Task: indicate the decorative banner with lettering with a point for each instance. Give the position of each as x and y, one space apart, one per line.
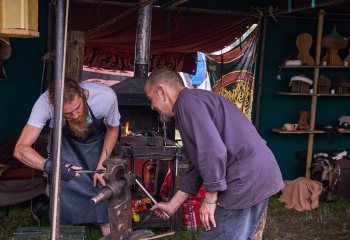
232 73
114 60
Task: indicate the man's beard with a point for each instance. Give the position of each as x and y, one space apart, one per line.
164 118
79 126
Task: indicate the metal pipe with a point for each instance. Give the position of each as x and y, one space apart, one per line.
61 29
149 195
143 39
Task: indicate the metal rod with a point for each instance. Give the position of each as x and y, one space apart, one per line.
57 131
261 75
143 39
149 195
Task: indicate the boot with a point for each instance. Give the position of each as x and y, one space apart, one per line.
303 121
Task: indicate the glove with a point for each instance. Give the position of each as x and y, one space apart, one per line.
67 173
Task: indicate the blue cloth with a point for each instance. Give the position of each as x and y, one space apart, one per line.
225 152
201 71
236 224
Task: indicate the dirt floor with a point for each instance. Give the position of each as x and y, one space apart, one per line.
331 221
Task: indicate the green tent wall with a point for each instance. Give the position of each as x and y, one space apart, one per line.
19 92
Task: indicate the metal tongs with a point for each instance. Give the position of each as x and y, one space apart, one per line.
99 171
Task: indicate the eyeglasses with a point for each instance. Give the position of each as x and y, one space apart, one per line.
77 108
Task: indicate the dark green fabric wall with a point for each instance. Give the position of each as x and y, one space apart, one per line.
277 109
22 86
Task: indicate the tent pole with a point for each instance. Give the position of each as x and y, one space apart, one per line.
61 33
261 75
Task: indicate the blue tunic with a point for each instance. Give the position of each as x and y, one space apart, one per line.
225 152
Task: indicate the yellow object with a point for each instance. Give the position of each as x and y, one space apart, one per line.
135 217
19 18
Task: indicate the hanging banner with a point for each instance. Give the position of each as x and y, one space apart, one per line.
232 73
122 61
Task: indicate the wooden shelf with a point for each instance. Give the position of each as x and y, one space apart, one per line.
282 131
313 94
312 67
18 33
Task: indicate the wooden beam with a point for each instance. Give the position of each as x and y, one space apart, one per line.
172 4
193 10
308 7
123 15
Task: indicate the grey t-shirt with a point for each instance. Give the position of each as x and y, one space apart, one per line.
102 102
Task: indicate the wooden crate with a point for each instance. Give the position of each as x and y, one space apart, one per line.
38 233
300 87
19 18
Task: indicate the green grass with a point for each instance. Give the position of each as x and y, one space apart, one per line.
20 216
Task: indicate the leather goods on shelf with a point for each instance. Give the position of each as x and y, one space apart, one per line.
304 42
290 127
324 84
300 84
333 42
303 123
341 85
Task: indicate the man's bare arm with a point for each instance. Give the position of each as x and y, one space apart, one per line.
24 151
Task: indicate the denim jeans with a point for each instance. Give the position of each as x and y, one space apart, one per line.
236 224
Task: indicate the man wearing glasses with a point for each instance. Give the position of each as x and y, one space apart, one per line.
90 131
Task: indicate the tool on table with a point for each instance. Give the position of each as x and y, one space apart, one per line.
147 193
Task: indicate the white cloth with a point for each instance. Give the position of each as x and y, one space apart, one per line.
102 102
302 79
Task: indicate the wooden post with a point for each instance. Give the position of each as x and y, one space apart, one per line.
261 74
75 55
314 97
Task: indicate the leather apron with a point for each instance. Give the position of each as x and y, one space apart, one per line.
76 206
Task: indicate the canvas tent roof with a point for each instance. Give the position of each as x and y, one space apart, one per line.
191 26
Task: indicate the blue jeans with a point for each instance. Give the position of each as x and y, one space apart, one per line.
236 224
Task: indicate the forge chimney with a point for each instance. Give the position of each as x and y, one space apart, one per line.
142 46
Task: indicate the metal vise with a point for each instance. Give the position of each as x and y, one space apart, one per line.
118 192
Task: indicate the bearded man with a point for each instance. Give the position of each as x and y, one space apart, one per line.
90 131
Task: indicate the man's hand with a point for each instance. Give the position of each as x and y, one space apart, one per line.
206 215
99 177
163 206
67 170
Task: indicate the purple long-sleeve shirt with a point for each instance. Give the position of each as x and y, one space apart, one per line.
225 152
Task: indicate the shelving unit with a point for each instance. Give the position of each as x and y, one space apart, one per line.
314 96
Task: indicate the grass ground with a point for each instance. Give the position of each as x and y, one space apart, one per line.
328 221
